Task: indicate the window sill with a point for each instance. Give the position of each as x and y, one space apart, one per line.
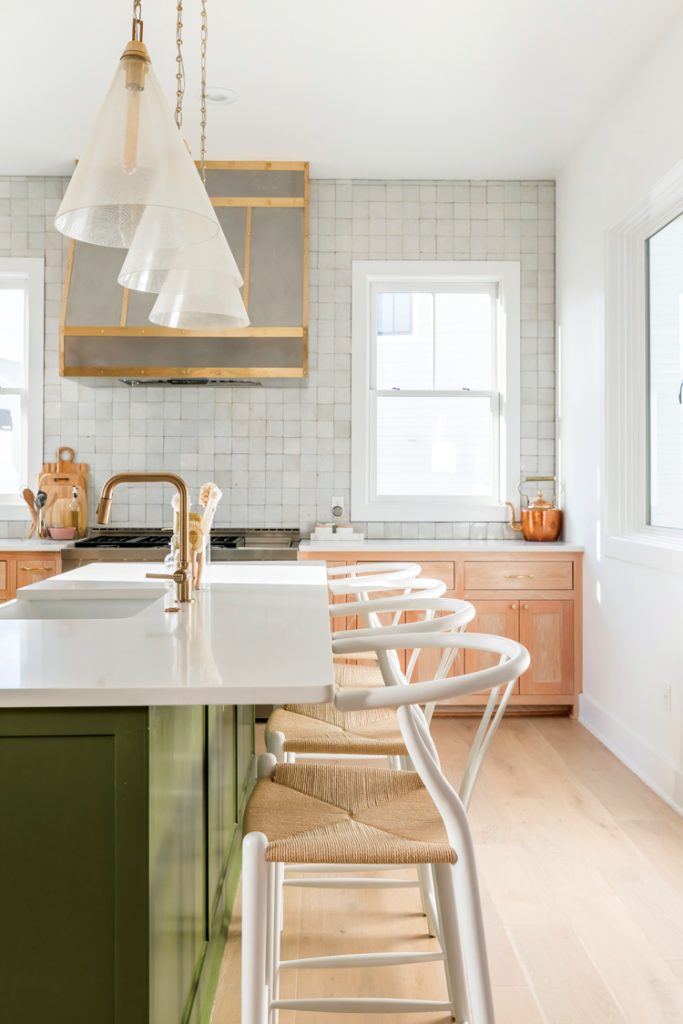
13 510
434 511
651 548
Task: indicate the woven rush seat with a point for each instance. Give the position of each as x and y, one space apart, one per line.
326 814
322 729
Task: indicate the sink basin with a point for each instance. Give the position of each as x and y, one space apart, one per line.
97 604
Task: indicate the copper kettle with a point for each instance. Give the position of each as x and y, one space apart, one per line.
541 520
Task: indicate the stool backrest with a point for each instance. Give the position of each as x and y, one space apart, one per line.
369 577
499 679
439 614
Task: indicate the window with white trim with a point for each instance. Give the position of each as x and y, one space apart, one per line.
21 378
435 389
665 373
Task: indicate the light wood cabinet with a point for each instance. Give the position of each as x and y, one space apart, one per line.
546 628
500 618
20 569
533 596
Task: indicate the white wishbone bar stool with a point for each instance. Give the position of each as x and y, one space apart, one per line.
316 731
317 814
338 574
324 730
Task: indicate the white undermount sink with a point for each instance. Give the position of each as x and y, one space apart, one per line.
120 603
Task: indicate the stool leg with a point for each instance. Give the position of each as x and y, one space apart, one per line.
277 875
255 937
463 936
427 897
450 943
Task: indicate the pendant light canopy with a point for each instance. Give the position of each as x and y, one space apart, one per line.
135 164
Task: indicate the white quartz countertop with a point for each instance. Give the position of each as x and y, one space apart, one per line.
259 634
467 546
43 546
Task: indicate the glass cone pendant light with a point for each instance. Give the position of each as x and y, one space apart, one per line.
135 164
198 285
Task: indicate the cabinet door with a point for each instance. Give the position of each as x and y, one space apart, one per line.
546 628
6 588
500 618
33 570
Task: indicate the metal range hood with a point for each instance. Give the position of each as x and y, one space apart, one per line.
105 333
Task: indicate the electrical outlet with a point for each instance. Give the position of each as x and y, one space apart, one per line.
667 695
338 507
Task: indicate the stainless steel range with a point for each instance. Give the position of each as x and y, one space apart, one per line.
144 545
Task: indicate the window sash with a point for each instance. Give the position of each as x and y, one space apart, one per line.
426 287
495 400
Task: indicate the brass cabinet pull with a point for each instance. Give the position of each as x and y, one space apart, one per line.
513 607
518 576
525 607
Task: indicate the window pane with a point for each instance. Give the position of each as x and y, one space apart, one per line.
10 444
405 357
434 446
666 376
12 334
463 341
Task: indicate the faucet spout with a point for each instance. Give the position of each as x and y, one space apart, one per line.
183 575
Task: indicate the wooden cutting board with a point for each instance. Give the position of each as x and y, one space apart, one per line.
58 480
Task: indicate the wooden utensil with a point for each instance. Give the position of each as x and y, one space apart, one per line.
30 499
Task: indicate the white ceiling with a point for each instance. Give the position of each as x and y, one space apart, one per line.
361 88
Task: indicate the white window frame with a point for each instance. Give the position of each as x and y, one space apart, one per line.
30 271
626 533
405 274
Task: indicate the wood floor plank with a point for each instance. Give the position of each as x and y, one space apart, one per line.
581 869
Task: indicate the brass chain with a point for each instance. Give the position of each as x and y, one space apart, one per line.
204 37
138 24
180 66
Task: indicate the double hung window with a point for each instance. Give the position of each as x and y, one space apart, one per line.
435 390
21 377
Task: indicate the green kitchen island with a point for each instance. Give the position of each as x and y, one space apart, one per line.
120 842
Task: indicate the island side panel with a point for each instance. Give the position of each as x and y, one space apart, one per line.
73 866
177 859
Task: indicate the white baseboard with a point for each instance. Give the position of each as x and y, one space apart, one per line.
657 772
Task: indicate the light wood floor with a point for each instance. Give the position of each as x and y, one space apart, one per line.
582 871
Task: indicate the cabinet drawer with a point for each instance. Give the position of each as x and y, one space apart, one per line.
519 575
34 570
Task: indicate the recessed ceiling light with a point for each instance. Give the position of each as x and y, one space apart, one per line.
219 95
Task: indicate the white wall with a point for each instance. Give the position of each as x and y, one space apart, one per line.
633 614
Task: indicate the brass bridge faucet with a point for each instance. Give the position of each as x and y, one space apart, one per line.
182 577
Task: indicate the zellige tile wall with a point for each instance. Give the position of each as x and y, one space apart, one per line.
281 452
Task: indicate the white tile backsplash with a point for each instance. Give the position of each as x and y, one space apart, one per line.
280 452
